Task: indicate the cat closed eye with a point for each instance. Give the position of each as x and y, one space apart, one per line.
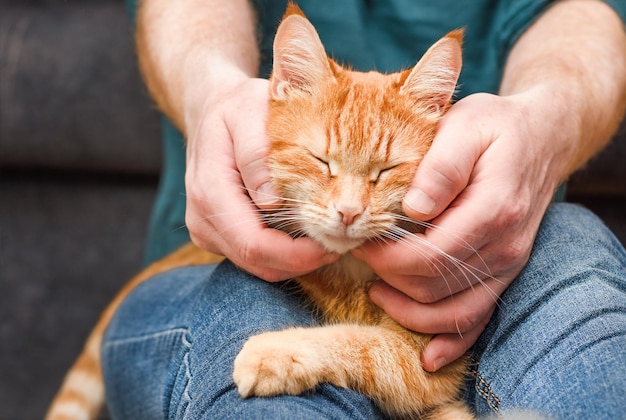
331 166
319 159
376 174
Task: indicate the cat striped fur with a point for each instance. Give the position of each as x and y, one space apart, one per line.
81 395
344 148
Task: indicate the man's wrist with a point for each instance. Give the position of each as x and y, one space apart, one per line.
555 118
207 82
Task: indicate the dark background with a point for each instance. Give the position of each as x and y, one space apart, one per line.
79 166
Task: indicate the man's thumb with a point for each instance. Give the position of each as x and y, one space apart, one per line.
442 175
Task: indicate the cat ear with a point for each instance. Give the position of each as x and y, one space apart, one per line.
433 79
300 61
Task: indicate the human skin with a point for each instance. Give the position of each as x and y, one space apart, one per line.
489 177
493 170
199 59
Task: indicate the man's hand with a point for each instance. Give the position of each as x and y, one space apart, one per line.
198 58
226 171
492 170
485 183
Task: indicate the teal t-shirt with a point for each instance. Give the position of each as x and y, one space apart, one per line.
389 35
383 35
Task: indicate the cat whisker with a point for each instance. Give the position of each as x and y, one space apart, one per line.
462 265
464 268
454 235
398 238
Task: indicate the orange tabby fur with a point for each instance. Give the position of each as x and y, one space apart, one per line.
347 145
82 393
344 148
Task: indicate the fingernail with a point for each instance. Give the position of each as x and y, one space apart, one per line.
439 363
266 196
376 296
418 201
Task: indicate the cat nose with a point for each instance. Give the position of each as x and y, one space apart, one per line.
348 214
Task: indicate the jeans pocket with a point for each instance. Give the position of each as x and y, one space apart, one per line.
147 376
177 396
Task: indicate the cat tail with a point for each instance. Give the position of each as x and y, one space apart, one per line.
81 395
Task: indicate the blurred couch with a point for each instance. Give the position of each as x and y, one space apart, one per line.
79 164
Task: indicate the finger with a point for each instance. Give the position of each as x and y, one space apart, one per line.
467 245
447 281
453 236
287 258
446 168
252 145
428 267
438 279
247 248
221 217
418 254
443 349
237 229
456 314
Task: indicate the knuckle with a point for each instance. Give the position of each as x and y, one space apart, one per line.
249 253
193 226
202 234
514 212
514 253
405 315
424 293
516 240
197 240
203 241
466 321
447 174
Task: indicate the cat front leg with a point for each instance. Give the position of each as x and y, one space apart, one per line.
381 363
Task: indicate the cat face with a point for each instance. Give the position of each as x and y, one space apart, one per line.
344 145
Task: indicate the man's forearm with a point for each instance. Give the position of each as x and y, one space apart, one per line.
577 50
192 50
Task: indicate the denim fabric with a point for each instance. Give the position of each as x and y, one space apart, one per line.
556 344
170 349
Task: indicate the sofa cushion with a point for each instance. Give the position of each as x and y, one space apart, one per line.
71 96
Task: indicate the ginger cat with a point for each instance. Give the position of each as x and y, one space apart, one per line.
344 148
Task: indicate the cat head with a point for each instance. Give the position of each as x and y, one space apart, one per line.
344 145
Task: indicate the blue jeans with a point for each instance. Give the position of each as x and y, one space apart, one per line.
556 344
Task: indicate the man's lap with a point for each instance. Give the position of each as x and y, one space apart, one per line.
555 343
557 340
177 337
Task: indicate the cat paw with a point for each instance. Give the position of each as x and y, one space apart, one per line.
277 363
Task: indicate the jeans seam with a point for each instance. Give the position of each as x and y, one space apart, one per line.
483 387
186 395
134 339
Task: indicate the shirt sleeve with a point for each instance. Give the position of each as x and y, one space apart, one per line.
512 19
620 8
